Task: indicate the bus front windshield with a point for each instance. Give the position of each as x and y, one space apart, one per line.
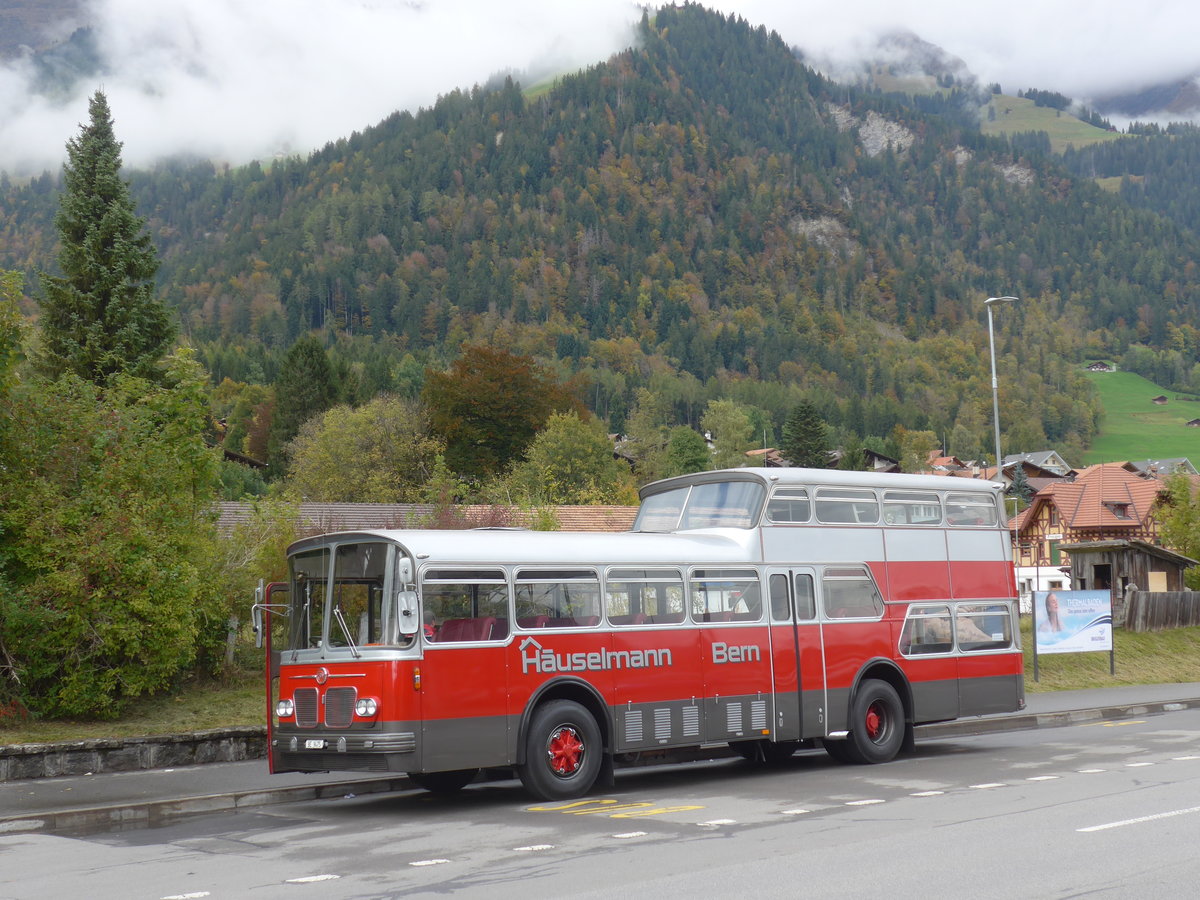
721 504
339 598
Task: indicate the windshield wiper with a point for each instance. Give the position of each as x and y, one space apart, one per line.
341 620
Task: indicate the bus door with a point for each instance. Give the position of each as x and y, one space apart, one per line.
463 678
269 618
735 654
797 659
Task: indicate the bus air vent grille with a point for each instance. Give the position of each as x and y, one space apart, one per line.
662 724
633 726
691 721
758 714
733 717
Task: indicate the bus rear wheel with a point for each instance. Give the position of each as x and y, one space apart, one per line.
876 723
563 751
443 782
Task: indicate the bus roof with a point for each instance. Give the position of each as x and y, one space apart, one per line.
496 546
825 477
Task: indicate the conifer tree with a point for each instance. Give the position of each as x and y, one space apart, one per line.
805 439
304 388
101 317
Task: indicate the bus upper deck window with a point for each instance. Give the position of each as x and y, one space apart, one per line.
967 510
789 505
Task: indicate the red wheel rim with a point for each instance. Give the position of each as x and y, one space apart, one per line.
564 751
876 721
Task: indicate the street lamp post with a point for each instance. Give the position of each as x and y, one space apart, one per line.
995 385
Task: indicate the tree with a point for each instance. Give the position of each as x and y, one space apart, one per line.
1020 487
1179 523
381 452
854 457
11 326
488 407
686 452
101 317
107 539
805 439
304 388
730 428
571 461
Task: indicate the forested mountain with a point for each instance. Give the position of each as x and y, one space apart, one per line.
702 215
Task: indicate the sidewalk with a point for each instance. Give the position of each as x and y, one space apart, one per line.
155 796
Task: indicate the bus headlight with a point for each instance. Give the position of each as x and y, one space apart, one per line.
285 708
366 708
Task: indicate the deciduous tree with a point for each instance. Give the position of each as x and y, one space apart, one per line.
488 406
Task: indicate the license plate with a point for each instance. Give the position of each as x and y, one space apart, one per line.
314 744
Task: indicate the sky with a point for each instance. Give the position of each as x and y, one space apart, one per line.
236 80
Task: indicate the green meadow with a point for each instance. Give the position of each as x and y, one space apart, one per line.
1135 428
1016 115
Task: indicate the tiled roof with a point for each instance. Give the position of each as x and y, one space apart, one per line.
1096 495
323 517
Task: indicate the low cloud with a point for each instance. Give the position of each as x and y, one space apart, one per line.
237 81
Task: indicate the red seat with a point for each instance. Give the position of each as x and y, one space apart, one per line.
466 630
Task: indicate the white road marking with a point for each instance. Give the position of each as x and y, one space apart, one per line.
195 895
1137 765
533 848
626 835
712 823
1140 819
794 812
1043 778
988 786
864 802
429 862
311 879
927 794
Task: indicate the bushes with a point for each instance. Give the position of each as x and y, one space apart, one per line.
106 540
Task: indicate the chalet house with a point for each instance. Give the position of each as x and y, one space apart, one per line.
1100 367
1160 400
1161 468
1104 503
1047 460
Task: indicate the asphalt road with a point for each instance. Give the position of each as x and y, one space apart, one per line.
1104 807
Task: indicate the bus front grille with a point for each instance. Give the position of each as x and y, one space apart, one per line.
339 706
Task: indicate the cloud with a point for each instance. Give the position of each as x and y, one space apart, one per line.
237 80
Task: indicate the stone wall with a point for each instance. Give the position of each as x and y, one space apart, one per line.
93 757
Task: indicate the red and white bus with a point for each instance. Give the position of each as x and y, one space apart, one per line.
765 609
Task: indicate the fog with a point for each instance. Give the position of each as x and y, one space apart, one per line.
236 81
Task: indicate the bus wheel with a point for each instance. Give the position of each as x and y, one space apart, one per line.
563 752
443 782
876 723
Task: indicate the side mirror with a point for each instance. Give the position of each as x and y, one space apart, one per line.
406 602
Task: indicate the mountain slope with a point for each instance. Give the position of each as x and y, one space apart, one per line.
703 215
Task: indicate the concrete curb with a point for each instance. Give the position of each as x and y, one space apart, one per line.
151 813
1025 721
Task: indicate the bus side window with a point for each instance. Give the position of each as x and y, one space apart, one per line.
927 630
780 609
806 601
850 594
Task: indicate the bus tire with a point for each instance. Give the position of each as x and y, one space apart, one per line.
563 751
443 782
876 723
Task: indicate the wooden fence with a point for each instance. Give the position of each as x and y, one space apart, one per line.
1145 611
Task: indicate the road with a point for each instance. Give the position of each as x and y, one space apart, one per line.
1107 809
